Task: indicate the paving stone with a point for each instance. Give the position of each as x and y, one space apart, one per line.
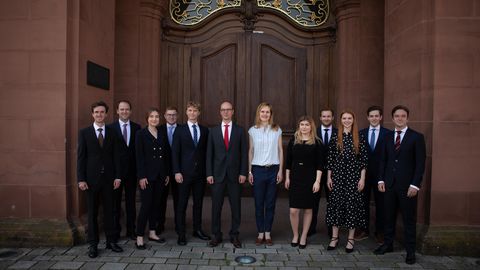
322 257
296 263
41 265
39 251
223 250
63 258
227 267
165 254
266 267
131 260
199 261
91 266
299 257
67 265
208 267
343 264
209 255
191 255
309 251
5 264
80 250
274 263
366 258
187 267
202 249
27 257
245 250
243 268
287 268
113 266
181 248
276 257
218 262
58 251
154 260
42 258
108 259
266 251
345 258
364 264
164 267
143 253
178 261
22 265
136 266
320 264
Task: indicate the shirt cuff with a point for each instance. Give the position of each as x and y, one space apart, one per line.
415 187
381 182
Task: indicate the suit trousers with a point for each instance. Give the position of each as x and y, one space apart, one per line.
396 198
234 190
95 193
265 194
316 203
371 185
172 187
195 185
129 185
150 197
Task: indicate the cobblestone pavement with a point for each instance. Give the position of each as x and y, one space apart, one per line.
196 255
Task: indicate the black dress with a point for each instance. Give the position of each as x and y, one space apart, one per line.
303 161
345 204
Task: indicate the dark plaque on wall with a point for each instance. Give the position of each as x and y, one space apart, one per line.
98 76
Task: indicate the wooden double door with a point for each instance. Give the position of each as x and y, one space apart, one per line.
276 63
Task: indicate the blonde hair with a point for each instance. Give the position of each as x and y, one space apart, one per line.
258 122
354 131
313 131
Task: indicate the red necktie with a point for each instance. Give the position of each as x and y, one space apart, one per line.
397 140
225 137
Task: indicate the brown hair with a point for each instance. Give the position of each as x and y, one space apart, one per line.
98 104
272 124
354 131
193 104
149 111
124 101
313 131
171 108
396 108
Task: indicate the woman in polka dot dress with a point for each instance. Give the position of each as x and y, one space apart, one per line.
346 165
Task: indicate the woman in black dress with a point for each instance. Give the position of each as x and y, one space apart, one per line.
303 173
153 167
346 165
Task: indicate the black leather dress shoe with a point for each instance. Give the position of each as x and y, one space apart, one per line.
92 251
200 234
214 242
182 240
410 259
236 242
383 249
114 247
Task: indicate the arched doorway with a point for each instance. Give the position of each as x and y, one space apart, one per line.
248 55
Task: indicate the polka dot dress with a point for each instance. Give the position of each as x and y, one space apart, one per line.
345 204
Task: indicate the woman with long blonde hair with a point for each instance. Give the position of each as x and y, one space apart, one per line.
305 154
346 164
265 160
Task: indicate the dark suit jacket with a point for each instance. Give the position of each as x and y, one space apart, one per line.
320 134
187 158
405 167
128 158
232 163
91 158
152 155
374 155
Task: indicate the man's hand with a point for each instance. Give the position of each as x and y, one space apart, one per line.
179 178
143 183
412 192
116 183
242 179
82 185
210 180
381 187
167 180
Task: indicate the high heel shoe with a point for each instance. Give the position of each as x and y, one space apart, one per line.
300 246
336 242
351 242
293 244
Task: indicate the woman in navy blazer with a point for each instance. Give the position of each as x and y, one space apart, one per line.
153 168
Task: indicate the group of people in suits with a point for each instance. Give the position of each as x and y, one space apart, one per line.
345 163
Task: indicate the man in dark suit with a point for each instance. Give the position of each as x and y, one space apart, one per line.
227 168
98 173
375 137
168 129
126 130
325 131
401 171
188 159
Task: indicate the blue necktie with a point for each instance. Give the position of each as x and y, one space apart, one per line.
325 137
170 135
195 135
372 139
